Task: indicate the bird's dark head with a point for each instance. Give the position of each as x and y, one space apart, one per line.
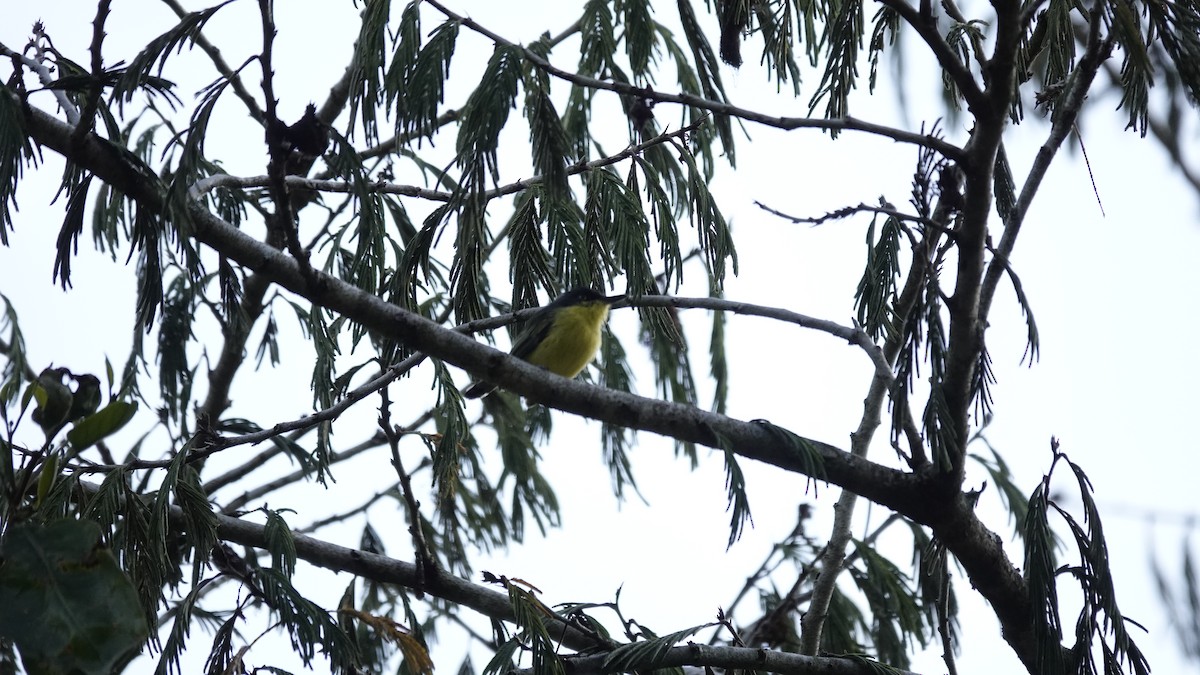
584 296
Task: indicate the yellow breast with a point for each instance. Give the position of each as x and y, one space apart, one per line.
573 340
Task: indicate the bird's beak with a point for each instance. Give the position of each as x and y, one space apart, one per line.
614 299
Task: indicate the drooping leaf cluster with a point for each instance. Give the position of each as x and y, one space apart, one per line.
1101 635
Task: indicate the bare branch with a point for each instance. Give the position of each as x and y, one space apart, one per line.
395 142
233 348
426 563
730 658
345 515
46 78
853 335
832 559
95 87
852 210
214 54
258 491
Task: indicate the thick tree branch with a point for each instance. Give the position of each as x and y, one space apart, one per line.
486 601
965 342
495 605
732 659
967 323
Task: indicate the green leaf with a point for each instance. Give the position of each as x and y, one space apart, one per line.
485 115
641 39
705 80
504 659
530 269
738 501
416 80
812 464
309 626
15 146
615 439
68 236
884 34
16 364
175 333
548 139
366 81
843 35
718 364
646 655
280 542
598 42
137 74
91 429
877 288
67 605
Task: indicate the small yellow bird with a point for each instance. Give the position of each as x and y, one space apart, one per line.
561 337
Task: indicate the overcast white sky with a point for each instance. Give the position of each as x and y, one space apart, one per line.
1114 297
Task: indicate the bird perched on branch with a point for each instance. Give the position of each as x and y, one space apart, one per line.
561 337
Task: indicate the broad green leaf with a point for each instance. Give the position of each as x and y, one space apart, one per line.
67 605
91 429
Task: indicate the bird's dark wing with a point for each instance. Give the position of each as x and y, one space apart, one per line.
536 329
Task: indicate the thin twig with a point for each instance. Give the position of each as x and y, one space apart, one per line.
832 559
1068 109
96 84
943 612
214 54
296 476
395 142
795 597
298 182
46 78
769 564
344 515
848 211
245 468
278 151
847 123
853 335
427 565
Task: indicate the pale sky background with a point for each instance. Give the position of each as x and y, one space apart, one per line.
1113 295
